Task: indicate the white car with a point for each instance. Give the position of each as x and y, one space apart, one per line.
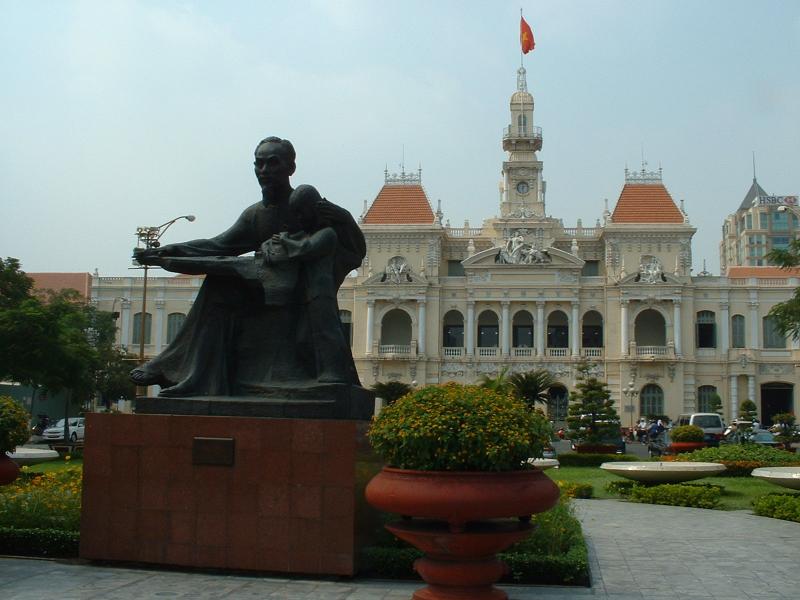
56 432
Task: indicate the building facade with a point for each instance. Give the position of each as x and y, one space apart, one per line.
433 303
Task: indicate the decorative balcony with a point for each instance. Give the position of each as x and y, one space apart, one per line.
592 352
522 352
394 349
452 352
557 352
485 351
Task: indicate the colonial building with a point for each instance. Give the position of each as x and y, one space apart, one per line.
433 303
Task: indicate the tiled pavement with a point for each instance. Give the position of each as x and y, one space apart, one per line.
637 551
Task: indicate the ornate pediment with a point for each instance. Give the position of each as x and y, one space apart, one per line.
528 258
397 272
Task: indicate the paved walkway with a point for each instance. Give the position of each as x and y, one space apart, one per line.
637 551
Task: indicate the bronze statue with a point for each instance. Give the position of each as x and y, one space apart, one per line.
264 325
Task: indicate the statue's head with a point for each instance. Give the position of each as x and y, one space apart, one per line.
303 207
274 161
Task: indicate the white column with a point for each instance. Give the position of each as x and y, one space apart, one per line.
540 328
676 327
751 387
506 185
734 399
125 327
754 323
574 330
159 325
505 328
724 336
370 324
421 333
470 341
623 319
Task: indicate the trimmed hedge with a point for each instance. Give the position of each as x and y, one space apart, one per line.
55 543
624 488
741 459
592 460
571 568
778 506
676 494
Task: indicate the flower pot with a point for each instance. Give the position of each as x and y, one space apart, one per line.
445 516
9 471
680 447
595 449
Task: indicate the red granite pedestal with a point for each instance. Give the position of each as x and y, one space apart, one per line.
289 502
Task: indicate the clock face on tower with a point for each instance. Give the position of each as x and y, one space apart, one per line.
522 187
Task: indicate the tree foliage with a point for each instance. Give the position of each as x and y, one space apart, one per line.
53 340
592 417
532 387
787 314
390 391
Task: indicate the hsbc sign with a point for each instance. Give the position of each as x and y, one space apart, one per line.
777 200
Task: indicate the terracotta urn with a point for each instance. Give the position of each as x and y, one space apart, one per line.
9 471
446 515
680 447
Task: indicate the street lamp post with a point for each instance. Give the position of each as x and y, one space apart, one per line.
148 238
630 393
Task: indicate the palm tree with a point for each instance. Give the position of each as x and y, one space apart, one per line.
500 384
532 387
391 390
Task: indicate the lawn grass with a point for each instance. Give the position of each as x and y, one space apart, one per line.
738 492
52 466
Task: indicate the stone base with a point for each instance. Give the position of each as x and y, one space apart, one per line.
285 495
318 401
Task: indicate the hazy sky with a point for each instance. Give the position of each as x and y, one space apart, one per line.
119 114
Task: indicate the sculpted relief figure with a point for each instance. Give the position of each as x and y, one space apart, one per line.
270 321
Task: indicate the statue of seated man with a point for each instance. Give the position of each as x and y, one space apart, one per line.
252 326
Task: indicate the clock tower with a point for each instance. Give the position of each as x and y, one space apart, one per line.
522 187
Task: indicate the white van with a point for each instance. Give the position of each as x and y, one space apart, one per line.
710 423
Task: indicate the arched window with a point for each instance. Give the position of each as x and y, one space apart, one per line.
174 323
346 319
772 337
652 401
522 330
488 330
706 329
137 328
559 400
522 124
453 330
557 330
650 329
705 395
737 331
396 328
592 334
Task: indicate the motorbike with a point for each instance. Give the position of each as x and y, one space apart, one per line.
42 424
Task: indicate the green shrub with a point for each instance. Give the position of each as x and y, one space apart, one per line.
778 506
687 433
621 488
13 424
55 543
741 459
574 489
677 494
592 460
458 428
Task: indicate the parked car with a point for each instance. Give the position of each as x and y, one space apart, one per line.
710 423
763 437
549 452
56 432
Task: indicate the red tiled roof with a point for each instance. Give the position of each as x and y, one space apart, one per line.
400 205
646 203
82 282
770 272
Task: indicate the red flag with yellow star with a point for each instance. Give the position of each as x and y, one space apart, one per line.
525 36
